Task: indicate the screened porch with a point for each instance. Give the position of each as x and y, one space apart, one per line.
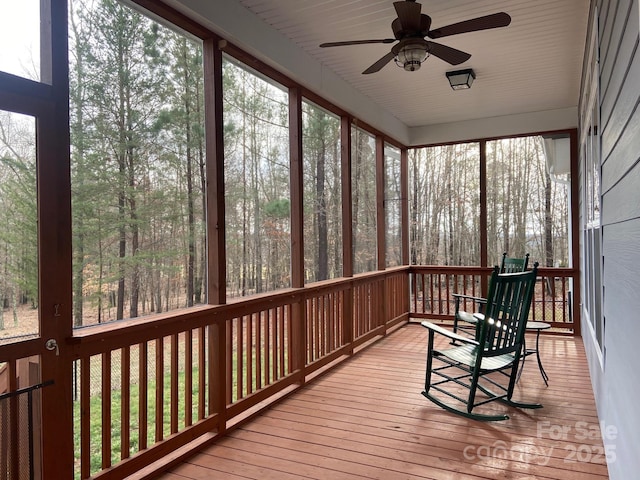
197 242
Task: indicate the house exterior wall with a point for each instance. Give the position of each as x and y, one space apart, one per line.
612 353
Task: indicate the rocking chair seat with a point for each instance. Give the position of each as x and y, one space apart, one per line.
467 354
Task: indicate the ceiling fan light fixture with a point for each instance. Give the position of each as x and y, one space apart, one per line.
461 79
411 55
410 30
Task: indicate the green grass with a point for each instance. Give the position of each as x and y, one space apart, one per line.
95 414
95 422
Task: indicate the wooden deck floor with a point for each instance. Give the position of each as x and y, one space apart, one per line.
367 419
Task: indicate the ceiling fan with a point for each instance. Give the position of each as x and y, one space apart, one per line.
410 29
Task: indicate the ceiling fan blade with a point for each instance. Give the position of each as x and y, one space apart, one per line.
357 42
409 15
448 54
380 63
481 23
425 25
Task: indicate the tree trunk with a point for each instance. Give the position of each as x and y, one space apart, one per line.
321 215
414 213
190 213
77 100
548 223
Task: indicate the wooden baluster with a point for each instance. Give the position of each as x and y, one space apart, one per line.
85 417
173 381
248 365
282 346
240 331
188 378
143 355
202 372
106 410
125 402
159 417
266 348
258 350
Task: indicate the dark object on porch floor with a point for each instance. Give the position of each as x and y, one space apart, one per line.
497 349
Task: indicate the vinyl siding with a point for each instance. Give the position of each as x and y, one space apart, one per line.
616 379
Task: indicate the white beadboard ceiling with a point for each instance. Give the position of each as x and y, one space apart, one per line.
533 65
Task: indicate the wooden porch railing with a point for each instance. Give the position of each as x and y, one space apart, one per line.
146 387
149 386
432 289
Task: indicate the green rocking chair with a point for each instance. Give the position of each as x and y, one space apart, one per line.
496 350
465 321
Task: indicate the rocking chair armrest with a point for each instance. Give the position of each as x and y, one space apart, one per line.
479 316
448 333
462 296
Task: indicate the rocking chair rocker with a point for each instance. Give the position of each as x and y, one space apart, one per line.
497 349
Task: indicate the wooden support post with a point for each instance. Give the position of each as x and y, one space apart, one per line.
483 215
298 310
575 233
213 107
404 215
381 229
404 205
347 227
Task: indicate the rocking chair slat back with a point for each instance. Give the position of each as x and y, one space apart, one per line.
461 317
513 264
506 313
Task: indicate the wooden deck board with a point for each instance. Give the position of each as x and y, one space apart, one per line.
367 419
